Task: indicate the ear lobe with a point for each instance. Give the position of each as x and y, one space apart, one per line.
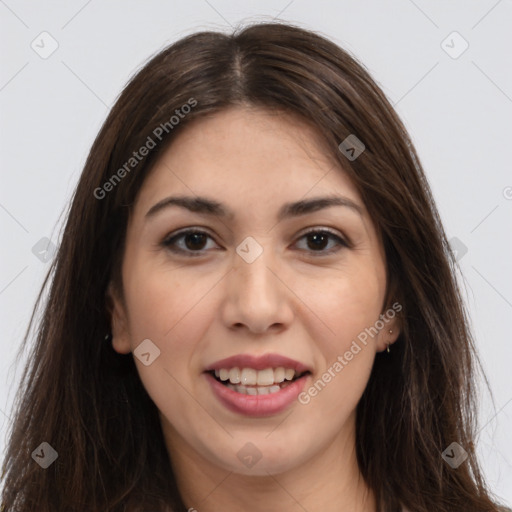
118 320
390 332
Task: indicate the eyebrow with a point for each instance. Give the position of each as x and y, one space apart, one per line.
206 206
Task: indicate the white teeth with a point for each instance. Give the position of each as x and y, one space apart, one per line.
234 375
265 377
224 374
252 377
279 375
248 377
245 390
249 381
288 374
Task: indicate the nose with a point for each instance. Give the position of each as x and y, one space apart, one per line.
257 297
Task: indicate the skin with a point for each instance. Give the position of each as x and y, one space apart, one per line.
295 299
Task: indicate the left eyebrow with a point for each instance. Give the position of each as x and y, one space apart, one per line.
206 206
319 203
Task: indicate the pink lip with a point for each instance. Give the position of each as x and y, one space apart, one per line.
258 363
257 405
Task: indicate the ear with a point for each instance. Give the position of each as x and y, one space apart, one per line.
118 320
391 318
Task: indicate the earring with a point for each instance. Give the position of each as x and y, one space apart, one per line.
108 336
390 332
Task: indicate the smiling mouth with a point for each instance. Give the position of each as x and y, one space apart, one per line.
248 381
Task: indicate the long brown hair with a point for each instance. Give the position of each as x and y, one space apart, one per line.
88 402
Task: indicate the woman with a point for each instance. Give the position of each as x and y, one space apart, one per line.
253 306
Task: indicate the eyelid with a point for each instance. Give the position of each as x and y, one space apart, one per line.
166 242
342 240
321 229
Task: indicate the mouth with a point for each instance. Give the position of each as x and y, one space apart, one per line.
248 381
257 385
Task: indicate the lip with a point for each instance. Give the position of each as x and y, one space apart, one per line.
259 363
257 405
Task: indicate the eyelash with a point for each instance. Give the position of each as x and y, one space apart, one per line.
170 240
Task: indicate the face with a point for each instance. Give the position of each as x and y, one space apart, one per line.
249 332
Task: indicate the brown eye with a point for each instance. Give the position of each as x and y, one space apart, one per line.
187 242
318 240
195 241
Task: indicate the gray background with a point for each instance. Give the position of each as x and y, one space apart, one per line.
457 108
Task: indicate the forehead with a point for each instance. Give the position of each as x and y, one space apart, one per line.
249 158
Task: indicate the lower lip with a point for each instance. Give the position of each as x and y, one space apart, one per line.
257 405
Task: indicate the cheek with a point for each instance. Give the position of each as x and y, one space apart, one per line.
161 299
346 308
331 399
344 305
171 309
173 317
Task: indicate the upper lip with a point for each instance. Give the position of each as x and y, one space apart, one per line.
258 363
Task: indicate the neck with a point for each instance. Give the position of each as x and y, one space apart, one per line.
329 482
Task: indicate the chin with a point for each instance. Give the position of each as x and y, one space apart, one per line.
261 458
